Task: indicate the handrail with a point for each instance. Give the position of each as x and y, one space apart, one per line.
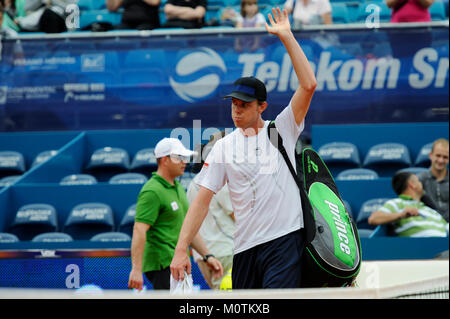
219 31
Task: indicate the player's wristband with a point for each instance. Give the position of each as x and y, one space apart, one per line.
205 259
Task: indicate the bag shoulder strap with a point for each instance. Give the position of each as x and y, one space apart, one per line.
308 215
279 144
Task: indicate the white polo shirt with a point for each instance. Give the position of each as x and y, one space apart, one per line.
264 195
307 13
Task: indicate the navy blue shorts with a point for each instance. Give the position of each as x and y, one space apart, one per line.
275 264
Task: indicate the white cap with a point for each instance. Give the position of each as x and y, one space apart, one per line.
169 146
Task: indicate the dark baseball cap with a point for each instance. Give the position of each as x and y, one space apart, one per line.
248 89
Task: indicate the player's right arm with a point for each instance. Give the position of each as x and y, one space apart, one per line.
194 218
136 279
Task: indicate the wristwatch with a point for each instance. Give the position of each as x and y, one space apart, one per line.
205 259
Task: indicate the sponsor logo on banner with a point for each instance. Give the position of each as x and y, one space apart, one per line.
203 86
84 92
92 62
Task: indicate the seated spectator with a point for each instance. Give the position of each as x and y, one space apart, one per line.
249 17
435 180
407 215
8 11
47 16
188 14
309 12
410 10
228 17
137 14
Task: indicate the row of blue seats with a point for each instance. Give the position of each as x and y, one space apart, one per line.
384 158
39 222
108 163
84 221
58 237
117 159
342 12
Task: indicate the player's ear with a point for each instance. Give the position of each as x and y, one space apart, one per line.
262 106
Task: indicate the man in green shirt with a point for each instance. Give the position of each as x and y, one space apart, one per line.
161 207
408 216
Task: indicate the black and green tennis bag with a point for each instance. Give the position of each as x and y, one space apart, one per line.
332 256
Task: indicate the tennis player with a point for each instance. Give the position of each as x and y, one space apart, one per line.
266 201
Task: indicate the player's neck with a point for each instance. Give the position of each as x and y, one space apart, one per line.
254 129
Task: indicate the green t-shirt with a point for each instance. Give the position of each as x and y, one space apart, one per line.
162 206
429 223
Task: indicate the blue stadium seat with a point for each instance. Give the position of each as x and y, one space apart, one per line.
367 208
382 231
127 223
8 180
387 158
34 219
348 207
365 233
414 170
423 159
111 237
437 11
53 237
353 174
43 156
339 13
7 238
78 179
107 162
339 156
89 17
89 219
128 178
92 4
11 163
144 161
381 7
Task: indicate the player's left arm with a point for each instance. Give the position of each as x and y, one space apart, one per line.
280 25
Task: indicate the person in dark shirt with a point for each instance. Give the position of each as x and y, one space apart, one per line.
435 180
188 14
137 14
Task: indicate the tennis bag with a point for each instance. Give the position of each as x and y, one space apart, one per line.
332 255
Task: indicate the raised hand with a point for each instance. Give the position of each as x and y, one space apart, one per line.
279 23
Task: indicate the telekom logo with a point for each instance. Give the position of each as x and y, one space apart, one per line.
205 84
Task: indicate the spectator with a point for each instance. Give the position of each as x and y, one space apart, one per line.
217 230
249 17
9 9
160 211
435 180
137 14
188 14
47 16
228 17
407 215
410 10
309 12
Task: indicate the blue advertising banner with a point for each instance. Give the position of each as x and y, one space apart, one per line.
160 81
